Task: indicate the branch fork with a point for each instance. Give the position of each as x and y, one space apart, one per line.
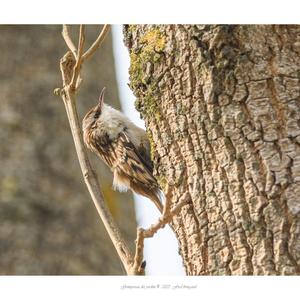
167 216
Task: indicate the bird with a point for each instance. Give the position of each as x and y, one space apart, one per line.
124 148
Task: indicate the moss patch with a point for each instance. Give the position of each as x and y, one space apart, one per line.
143 61
162 181
149 105
153 43
132 28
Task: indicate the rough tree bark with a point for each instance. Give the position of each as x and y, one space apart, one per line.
222 111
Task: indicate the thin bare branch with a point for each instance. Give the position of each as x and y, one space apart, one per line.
76 73
139 249
97 43
93 184
68 40
81 40
70 66
148 233
165 219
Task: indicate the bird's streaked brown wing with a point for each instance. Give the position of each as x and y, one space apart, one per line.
122 155
131 165
101 145
130 161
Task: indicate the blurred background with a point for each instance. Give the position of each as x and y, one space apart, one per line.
48 223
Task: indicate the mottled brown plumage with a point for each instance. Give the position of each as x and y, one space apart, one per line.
124 147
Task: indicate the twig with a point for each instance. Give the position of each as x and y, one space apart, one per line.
81 40
148 233
164 219
97 43
139 249
70 66
76 72
68 40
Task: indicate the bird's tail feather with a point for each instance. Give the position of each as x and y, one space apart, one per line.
156 197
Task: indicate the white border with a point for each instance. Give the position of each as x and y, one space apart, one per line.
150 11
97 287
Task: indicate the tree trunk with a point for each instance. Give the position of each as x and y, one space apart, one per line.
222 111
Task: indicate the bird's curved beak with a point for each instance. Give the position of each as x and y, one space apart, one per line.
101 100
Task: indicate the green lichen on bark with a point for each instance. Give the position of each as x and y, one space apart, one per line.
153 43
142 64
161 180
132 28
149 105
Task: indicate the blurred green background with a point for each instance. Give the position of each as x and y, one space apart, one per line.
48 223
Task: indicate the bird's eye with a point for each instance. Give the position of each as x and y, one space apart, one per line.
96 115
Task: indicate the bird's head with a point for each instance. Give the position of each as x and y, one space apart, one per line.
94 113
